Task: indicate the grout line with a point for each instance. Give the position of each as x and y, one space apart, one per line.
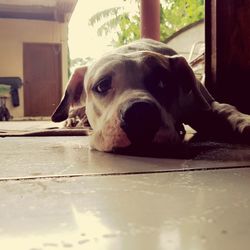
119 174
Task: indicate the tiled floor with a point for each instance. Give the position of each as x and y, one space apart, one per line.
57 194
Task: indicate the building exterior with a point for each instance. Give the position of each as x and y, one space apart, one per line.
183 40
190 43
33 47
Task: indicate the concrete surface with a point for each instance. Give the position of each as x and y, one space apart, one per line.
56 193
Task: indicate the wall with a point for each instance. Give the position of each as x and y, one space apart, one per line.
183 42
13 33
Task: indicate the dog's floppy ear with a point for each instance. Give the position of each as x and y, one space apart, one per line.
185 76
74 93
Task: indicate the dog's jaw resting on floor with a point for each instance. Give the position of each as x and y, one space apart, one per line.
141 94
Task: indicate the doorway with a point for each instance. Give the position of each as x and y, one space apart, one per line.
42 72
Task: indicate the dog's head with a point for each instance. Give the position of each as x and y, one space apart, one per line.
135 99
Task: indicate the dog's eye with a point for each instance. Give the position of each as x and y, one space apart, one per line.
103 86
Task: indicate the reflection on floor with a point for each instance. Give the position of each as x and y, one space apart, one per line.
56 193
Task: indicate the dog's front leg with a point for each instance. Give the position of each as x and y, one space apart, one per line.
239 122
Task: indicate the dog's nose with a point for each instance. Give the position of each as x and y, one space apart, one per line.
140 120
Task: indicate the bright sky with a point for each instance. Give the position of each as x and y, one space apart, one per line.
83 39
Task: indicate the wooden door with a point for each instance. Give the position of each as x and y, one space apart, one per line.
42 78
227 51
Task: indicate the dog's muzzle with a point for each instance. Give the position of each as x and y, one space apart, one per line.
140 120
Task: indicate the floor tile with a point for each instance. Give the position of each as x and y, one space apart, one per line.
203 210
42 156
27 125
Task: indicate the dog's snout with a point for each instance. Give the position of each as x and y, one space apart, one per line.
140 120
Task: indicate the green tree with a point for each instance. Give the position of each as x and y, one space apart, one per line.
125 26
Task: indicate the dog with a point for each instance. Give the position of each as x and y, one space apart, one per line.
140 95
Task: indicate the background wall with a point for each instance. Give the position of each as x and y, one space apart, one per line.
183 40
13 33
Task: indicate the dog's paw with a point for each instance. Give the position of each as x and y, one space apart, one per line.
71 122
246 132
241 125
77 118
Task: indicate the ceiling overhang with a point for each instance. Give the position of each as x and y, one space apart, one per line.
50 10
